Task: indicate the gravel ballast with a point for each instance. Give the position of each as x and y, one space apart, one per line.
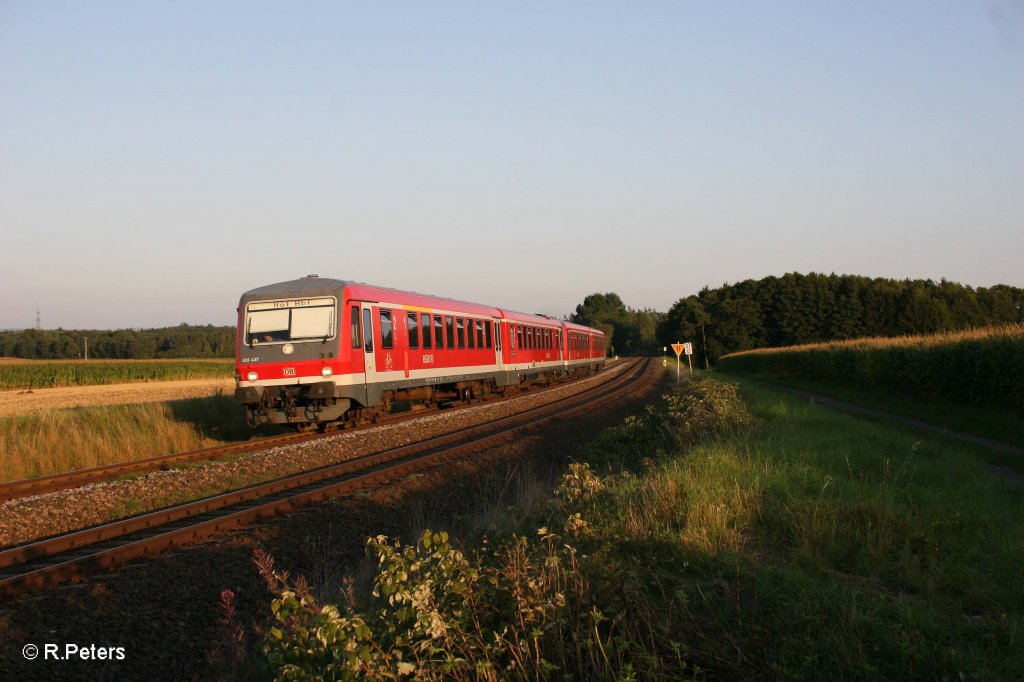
40 516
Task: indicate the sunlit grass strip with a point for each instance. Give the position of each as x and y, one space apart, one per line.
64 440
979 367
821 546
26 375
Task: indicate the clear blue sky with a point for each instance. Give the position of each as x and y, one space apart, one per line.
159 158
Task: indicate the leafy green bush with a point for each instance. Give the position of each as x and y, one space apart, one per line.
519 610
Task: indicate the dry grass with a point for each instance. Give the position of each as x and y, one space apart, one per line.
64 440
918 341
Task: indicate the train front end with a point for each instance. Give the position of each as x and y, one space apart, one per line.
288 360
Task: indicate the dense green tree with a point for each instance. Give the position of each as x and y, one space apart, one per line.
797 308
629 331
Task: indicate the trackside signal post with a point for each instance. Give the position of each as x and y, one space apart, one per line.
681 348
678 348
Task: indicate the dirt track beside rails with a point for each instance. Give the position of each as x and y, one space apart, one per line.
42 399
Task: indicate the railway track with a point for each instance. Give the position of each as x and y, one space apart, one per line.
72 479
74 556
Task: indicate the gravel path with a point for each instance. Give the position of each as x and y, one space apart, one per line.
39 516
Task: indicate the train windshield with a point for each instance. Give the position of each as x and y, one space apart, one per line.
307 319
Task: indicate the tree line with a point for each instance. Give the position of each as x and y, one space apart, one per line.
628 331
795 308
769 312
183 341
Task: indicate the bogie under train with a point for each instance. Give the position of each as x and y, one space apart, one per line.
315 351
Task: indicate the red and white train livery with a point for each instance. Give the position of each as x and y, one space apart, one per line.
318 350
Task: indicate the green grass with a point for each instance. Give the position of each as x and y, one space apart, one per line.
808 544
50 374
990 422
820 545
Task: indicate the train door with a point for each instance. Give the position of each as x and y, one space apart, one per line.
499 359
369 359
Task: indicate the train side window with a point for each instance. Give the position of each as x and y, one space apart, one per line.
558 339
460 329
519 335
547 338
497 336
469 331
480 334
512 337
412 323
487 332
425 323
357 339
367 331
387 327
449 323
438 333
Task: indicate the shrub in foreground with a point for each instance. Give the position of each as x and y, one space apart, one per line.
525 608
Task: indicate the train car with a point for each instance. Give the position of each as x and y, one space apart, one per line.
315 350
584 347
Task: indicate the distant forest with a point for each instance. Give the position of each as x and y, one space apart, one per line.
795 308
183 341
774 311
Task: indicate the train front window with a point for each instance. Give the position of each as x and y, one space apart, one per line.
296 320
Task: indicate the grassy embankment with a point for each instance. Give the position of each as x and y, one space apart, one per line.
32 374
801 543
64 440
967 381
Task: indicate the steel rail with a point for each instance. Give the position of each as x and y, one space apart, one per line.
110 545
39 485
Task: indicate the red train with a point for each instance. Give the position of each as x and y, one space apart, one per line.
315 350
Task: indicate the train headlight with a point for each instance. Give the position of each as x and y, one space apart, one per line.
252 376
326 371
287 349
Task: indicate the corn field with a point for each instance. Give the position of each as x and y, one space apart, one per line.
979 367
43 374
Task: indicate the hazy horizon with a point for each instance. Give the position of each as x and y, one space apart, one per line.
158 160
